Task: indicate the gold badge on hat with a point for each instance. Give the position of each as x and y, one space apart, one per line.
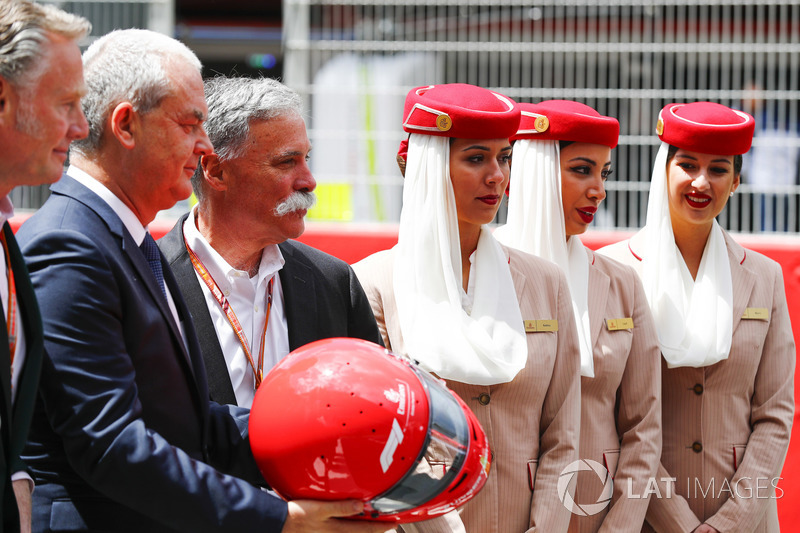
660 127
443 122
541 124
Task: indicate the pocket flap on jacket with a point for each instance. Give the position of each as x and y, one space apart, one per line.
533 464
738 455
610 460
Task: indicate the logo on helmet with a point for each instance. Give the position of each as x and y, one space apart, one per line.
395 438
566 476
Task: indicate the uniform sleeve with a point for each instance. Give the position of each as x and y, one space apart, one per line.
771 413
367 274
638 416
670 513
560 422
90 394
361 321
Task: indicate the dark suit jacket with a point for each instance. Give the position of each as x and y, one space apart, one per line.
322 299
124 437
14 434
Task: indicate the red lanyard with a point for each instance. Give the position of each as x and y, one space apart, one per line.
11 316
258 371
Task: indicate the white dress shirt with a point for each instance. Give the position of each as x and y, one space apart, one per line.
247 297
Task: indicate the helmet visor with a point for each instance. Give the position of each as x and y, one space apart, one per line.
442 457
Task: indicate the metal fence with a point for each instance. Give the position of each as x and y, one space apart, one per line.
354 62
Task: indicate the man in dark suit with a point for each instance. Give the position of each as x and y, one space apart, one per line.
124 437
41 83
254 293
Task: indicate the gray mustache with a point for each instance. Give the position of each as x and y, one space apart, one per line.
295 202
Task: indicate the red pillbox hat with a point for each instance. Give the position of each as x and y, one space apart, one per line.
565 120
706 127
460 110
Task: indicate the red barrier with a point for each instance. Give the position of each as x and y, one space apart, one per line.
353 242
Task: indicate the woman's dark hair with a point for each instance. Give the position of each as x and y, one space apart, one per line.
564 144
737 159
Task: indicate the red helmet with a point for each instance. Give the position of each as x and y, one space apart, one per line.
347 419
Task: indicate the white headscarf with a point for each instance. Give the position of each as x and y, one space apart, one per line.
535 225
694 318
487 346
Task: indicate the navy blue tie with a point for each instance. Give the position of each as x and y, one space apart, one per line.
153 256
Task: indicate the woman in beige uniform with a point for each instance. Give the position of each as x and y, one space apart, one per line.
723 326
562 157
495 323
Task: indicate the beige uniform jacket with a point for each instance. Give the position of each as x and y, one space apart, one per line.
726 426
532 422
621 404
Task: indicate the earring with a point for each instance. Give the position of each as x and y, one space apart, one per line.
731 193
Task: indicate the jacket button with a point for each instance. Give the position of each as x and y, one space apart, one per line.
698 389
484 399
697 447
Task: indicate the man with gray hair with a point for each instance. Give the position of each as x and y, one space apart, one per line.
124 437
41 84
254 293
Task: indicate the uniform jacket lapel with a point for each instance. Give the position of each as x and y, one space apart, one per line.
598 295
742 278
520 280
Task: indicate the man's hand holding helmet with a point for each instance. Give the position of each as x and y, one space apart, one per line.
307 516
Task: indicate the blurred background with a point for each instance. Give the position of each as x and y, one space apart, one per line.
353 62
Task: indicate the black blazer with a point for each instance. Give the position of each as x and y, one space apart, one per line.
124 437
14 435
322 299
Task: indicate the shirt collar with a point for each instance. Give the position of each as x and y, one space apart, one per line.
6 209
271 257
129 219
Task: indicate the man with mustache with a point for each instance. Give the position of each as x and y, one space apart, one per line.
254 293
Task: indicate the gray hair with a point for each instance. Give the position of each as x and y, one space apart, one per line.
127 66
24 29
233 104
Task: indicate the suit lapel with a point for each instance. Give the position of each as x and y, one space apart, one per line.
598 295
6 419
34 341
219 381
69 187
142 268
299 295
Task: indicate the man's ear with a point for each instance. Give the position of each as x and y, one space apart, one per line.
213 172
8 97
124 124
